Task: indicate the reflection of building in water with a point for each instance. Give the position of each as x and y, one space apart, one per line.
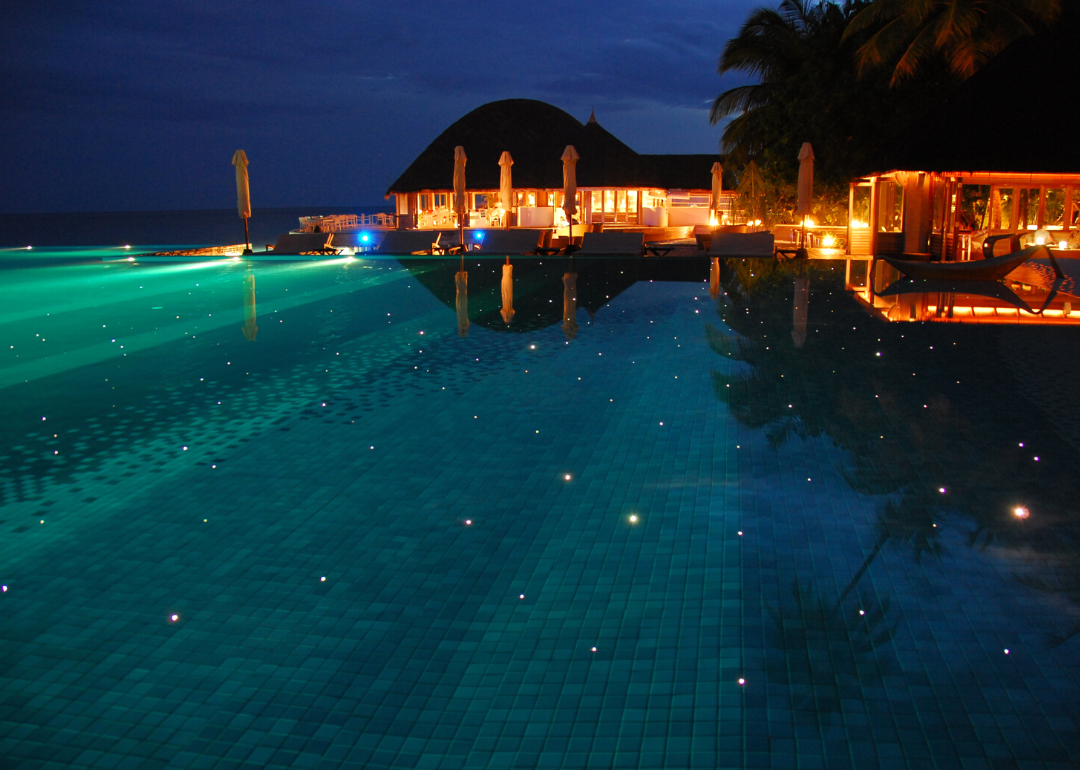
538 286
884 291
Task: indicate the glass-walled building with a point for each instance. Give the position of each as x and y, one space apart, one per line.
985 164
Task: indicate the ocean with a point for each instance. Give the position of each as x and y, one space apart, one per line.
213 227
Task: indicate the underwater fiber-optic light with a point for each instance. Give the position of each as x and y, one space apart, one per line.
479 235
365 237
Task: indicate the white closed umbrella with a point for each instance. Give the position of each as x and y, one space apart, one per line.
717 189
506 185
570 158
243 194
460 206
806 185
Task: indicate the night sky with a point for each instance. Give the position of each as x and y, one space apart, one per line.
123 106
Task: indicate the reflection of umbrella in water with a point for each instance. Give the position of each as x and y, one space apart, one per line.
250 329
714 278
508 292
800 309
461 302
569 299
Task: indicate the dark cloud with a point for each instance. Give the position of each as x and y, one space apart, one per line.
334 97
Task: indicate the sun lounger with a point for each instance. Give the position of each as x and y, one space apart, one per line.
406 242
612 243
742 245
303 243
510 241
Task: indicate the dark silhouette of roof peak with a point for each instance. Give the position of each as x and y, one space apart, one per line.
535 134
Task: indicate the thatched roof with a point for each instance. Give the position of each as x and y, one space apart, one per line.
1012 116
535 134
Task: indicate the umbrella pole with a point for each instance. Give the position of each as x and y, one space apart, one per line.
247 238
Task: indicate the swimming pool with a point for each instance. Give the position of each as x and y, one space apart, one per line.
345 513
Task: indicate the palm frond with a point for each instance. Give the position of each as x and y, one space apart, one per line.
738 100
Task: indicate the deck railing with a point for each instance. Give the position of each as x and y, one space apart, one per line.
337 223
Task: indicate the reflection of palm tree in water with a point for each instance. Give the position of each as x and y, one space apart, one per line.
822 646
909 522
1061 580
823 649
902 436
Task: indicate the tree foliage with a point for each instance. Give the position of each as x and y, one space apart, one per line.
907 35
809 90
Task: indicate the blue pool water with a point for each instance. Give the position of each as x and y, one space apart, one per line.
328 514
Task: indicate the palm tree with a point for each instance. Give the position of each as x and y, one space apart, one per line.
771 45
965 33
807 89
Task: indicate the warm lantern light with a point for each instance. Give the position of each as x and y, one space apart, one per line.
712 220
828 241
1042 237
1063 245
1021 512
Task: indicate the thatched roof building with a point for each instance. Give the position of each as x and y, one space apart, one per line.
535 134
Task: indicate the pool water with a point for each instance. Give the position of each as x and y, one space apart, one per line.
343 513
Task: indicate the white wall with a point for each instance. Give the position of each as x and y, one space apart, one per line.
655 217
679 216
536 216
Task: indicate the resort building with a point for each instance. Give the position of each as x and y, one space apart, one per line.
1001 158
616 186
